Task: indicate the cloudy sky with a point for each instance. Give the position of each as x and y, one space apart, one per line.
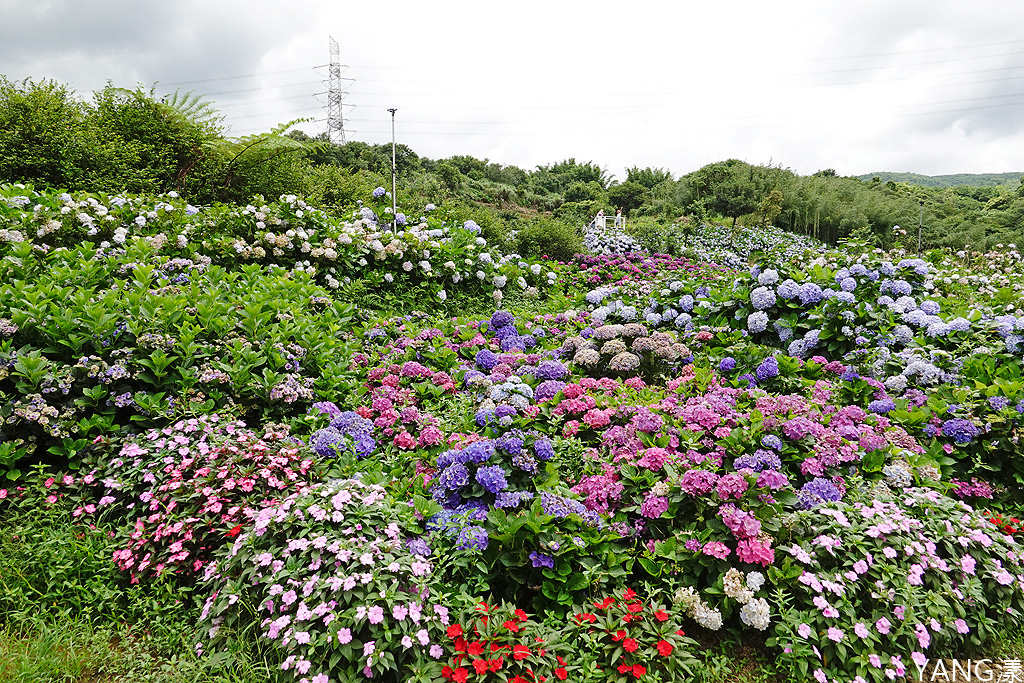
932 87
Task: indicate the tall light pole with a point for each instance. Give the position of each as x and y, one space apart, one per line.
394 172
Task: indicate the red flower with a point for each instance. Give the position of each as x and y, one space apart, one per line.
460 644
629 594
460 675
475 649
608 602
511 626
480 666
627 618
639 670
446 672
519 679
455 630
520 652
635 607
560 660
619 635
661 615
560 673
629 645
234 531
680 632
664 648
520 615
623 668
494 664
483 605
589 618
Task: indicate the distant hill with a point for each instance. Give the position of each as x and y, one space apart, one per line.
1011 180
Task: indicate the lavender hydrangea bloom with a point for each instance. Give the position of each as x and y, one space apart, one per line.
960 430
810 293
817 491
727 364
511 443
492 478
547 389
511 499
486 359
551 369
762 298
501 319
485 417
771 441
327 442
757 322
544 449
768 369
472 538
379 192
998 402
454 477
882 405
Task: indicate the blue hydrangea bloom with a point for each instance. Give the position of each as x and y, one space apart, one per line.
492 478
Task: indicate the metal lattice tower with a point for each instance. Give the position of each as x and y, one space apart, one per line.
335 115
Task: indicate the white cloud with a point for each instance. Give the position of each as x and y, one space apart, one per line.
931 87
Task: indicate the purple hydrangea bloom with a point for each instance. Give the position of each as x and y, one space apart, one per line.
454 477
547 389
417 546
472 537
551 369
559 506
960 430
511 499
500 319
543 448
492 478
379 192
998 402
485 417
325 408
727 364
817 491
327 442
768 369
771 441
810 293
486 359
882 405
511 443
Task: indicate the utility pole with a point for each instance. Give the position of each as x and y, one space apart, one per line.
335 113
394 174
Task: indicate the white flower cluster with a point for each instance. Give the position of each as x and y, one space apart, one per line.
698 610
754 611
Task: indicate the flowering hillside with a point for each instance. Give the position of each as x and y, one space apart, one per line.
512 469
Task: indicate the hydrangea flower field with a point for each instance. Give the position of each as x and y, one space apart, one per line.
527 470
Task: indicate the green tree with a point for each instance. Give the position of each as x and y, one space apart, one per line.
648 177
41 133
627 196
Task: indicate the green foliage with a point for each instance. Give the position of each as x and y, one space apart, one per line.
627 196
550 238
335 189
41 133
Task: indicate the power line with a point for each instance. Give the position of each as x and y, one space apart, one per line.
230 78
